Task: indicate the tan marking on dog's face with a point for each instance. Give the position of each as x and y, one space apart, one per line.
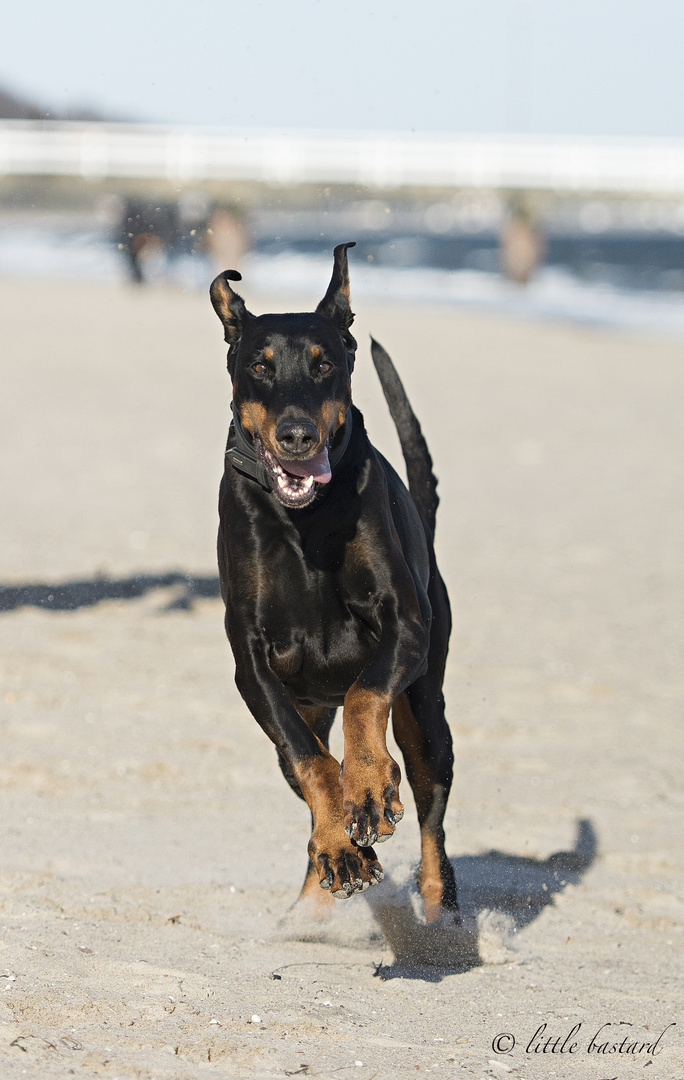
334 414
253 416
255 419
268 353
316 351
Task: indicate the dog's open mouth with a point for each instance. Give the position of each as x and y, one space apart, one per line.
294 482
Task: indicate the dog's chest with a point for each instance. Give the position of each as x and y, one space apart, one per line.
320 625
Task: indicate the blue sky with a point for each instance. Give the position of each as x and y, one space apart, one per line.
593 67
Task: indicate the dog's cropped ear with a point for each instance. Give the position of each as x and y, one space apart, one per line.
229 307
335 304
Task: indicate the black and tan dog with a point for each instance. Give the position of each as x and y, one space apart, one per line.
332 594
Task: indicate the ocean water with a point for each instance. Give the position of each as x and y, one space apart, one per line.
590 293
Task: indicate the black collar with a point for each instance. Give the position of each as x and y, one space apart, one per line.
244 460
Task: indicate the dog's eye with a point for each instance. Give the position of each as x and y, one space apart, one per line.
324 367
260 368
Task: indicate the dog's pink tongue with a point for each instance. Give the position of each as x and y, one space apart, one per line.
318 467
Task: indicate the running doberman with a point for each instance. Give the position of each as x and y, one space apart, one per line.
333 597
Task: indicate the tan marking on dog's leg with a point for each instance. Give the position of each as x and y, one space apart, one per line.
432 853
319 720
370 777
430 802
342 867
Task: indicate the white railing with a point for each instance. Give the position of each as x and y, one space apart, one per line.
560 163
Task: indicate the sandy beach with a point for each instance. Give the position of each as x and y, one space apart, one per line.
149 846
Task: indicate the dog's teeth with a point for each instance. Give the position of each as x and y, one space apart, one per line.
294 487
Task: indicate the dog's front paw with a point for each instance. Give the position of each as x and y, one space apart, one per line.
370 800
344 868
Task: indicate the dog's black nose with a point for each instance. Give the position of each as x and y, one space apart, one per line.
296 436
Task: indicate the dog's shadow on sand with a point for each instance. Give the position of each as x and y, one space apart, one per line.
499 894
183 590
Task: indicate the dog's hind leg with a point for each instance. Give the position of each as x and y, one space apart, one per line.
423 736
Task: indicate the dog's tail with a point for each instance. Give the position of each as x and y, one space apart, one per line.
422 481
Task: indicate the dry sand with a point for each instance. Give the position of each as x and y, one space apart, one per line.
150 848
